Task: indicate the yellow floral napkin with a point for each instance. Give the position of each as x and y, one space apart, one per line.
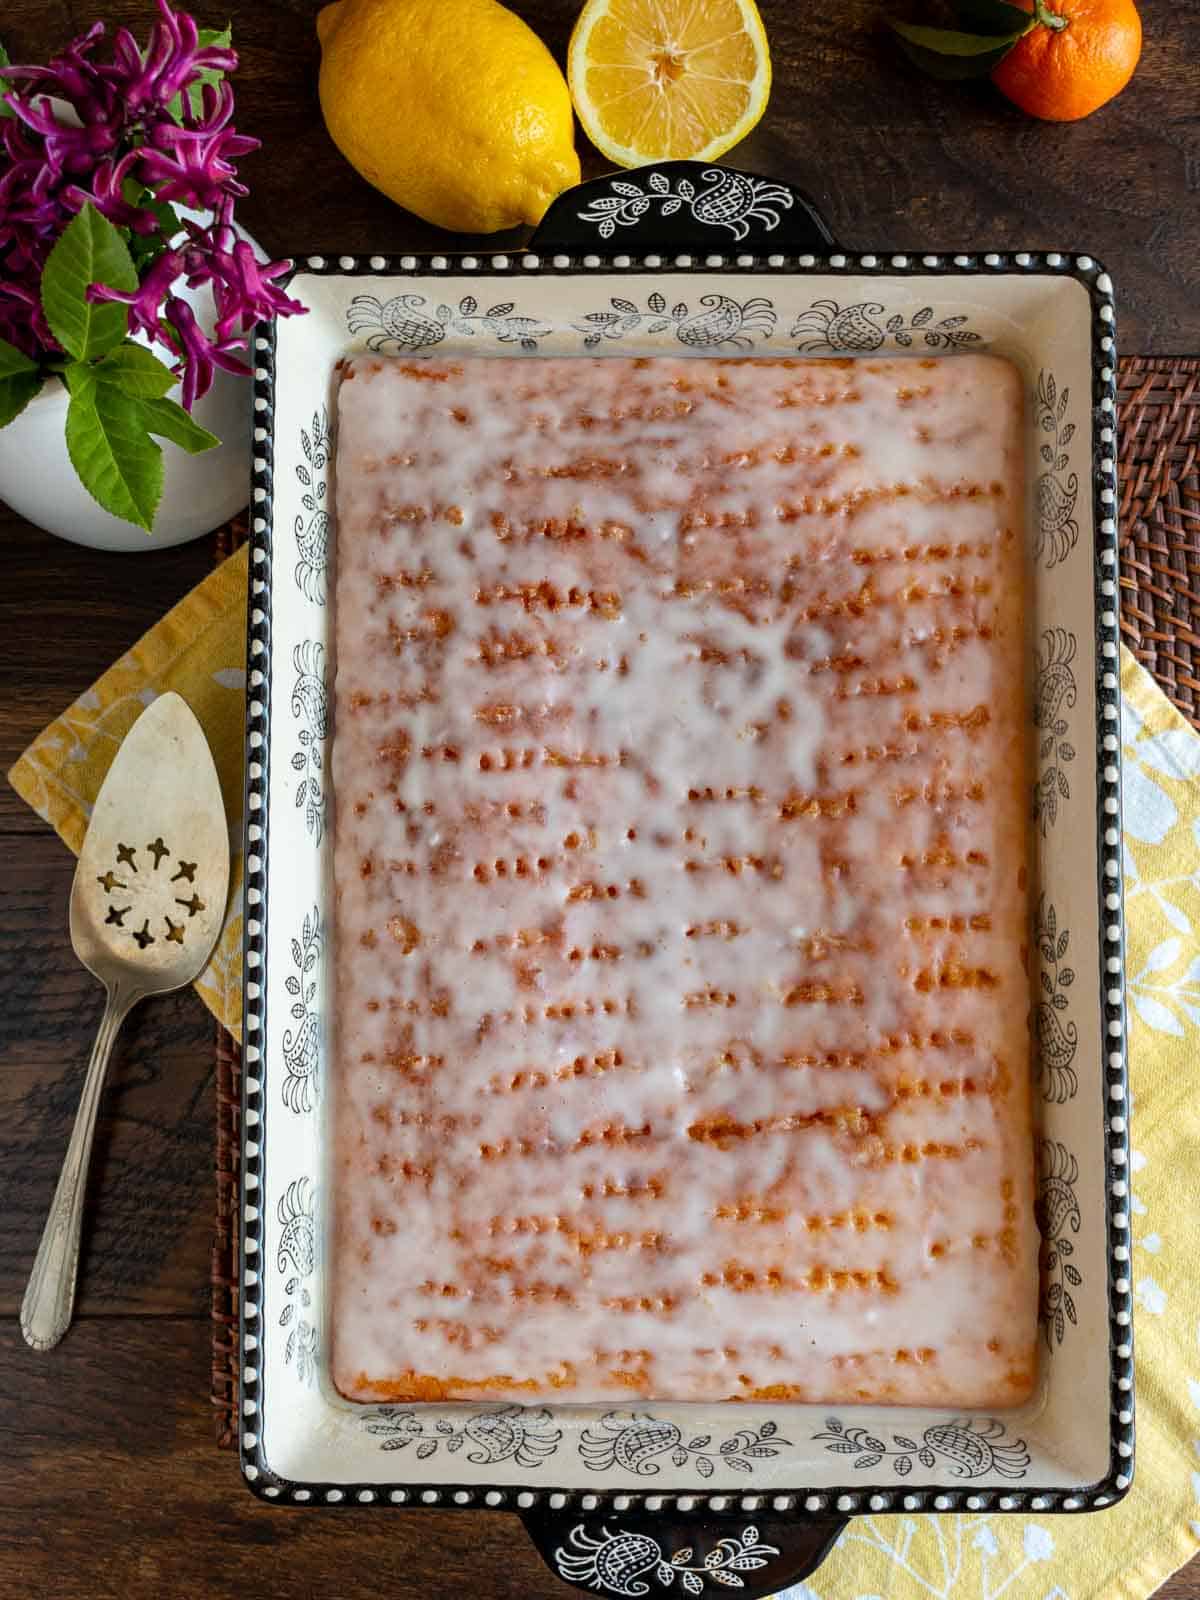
198 649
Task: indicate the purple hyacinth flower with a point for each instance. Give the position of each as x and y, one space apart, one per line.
199 355
104 132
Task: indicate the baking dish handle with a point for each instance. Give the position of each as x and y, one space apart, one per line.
676 206
638 1553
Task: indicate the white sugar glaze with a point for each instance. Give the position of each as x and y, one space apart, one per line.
679 780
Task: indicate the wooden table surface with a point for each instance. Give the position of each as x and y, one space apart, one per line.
109 1480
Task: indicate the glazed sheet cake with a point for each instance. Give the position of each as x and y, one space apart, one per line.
681 1010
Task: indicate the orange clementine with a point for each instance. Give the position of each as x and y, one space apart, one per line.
1066 72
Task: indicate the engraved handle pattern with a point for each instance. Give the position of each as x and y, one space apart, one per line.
638 1553
683 205
50 1295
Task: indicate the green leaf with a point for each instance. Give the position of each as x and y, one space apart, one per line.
14 361
955 68
16 392
113 454
950 42
168 218
20 380
5 85
993 16
145 248
208 36
90 250
135 371
137 194
171 421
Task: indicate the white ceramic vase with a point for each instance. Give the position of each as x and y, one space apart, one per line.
199 492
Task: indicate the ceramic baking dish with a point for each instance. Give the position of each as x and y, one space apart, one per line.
688 258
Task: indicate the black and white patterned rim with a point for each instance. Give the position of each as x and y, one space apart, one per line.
850 1498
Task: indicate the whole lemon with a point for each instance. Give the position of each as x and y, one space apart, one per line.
454 108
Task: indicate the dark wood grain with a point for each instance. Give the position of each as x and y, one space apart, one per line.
112 1491
146 1245
108 1478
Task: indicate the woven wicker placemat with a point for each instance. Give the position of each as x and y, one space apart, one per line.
1159 400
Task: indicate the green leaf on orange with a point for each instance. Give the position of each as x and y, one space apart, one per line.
89 250
115 458
950 42
968 55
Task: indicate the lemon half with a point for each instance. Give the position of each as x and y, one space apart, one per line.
656 80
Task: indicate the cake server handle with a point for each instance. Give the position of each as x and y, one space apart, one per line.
636 1552
683 206
50 1294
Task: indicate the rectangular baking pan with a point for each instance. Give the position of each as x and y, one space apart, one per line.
683 258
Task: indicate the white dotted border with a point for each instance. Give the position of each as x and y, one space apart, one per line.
832 1504
828 1502
257 736
1030 263
1112 952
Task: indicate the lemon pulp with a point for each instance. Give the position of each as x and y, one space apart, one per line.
657 80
